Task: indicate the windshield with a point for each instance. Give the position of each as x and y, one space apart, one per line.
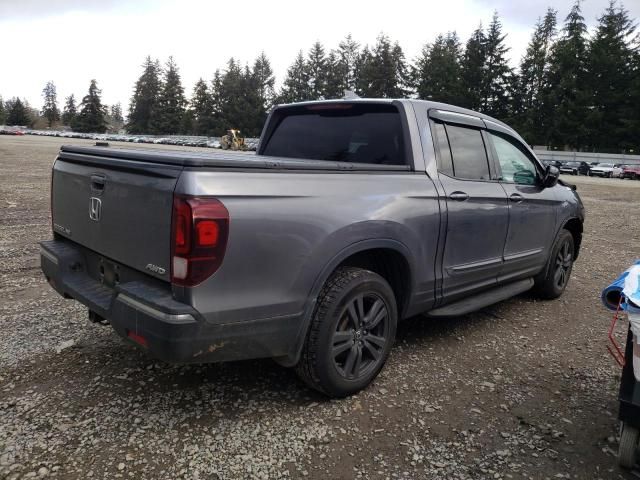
606 165
341 132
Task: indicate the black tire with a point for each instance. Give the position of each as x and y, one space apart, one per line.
553 280
348 342
627 451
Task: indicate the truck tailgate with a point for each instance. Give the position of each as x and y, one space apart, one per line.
119 208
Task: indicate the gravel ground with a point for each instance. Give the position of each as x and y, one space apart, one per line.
523 389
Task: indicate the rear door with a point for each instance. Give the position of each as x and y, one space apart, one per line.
120 209
477 209
532 208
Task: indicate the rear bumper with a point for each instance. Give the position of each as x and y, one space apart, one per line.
147 315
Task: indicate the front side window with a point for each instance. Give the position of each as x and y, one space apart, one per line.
516 166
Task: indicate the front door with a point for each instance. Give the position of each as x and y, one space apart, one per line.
477 212
532 208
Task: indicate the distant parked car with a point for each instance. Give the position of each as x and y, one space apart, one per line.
617 170
575 168
602 170
553 163
11 131
630 171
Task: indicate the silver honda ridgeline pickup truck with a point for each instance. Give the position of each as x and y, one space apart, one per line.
352 215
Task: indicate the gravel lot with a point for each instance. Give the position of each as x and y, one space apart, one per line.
523 389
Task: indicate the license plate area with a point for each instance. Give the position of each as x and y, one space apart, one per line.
109 272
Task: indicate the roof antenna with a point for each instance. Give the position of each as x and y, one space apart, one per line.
350 95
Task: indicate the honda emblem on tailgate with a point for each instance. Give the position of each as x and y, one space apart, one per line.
95 210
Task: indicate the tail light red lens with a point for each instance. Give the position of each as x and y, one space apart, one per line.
200 229
207 232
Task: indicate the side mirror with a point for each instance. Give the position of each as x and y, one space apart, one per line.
524 177
551 175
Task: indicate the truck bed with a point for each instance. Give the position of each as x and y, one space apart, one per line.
221 159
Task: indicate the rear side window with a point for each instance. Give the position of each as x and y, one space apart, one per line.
468 154
445 163
357 133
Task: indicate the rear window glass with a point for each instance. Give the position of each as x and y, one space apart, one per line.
364 133
469 155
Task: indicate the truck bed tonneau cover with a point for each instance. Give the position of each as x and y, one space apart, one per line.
213 159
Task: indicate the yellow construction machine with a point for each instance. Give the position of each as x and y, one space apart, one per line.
232 141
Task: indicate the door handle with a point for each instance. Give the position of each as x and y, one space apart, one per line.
516 197
459 196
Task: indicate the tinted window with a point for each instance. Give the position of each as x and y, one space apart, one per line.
468 152
515 165
445 163
341 132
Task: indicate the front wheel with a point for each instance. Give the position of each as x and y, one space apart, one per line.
351 333
628 446
553 280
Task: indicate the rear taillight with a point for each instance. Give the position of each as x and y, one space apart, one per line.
199 232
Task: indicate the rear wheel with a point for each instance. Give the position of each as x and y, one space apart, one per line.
553 280
628 448
351 333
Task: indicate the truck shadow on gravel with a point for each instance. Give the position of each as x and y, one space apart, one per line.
101 362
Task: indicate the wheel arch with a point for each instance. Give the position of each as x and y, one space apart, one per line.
575 226
389 258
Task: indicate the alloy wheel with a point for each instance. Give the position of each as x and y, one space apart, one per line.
564 260
361 336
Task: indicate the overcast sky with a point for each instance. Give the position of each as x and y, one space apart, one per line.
73 41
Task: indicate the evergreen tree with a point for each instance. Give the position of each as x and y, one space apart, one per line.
216 103
116 113
473 70
70 111
348 54
531 112
383 70
634 97
236 109
335 84
18 113
265 80
296 83
188 122
3 113
202 109
171 102
611 79
254 109
316 71
566 94
50 109
144 102
91 117
498 76
437 73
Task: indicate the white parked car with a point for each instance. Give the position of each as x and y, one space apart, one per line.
605 170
